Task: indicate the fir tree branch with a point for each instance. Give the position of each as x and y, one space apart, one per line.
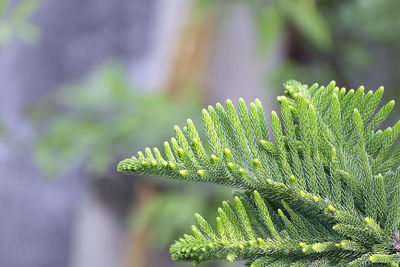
322 189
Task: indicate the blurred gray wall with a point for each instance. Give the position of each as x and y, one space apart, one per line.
37 215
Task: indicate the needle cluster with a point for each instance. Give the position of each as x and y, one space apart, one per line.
320 189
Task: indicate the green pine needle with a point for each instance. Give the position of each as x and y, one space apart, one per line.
321 190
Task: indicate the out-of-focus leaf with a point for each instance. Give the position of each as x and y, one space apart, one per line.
3 6
14 22
308 21
24 10
270 25
377 20
63 144
97 120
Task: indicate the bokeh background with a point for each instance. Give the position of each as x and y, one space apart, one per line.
84 84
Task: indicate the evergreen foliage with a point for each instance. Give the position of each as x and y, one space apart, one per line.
320 190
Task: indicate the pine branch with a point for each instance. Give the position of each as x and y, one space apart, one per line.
321 189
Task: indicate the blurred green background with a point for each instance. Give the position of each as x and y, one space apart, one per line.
84 85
